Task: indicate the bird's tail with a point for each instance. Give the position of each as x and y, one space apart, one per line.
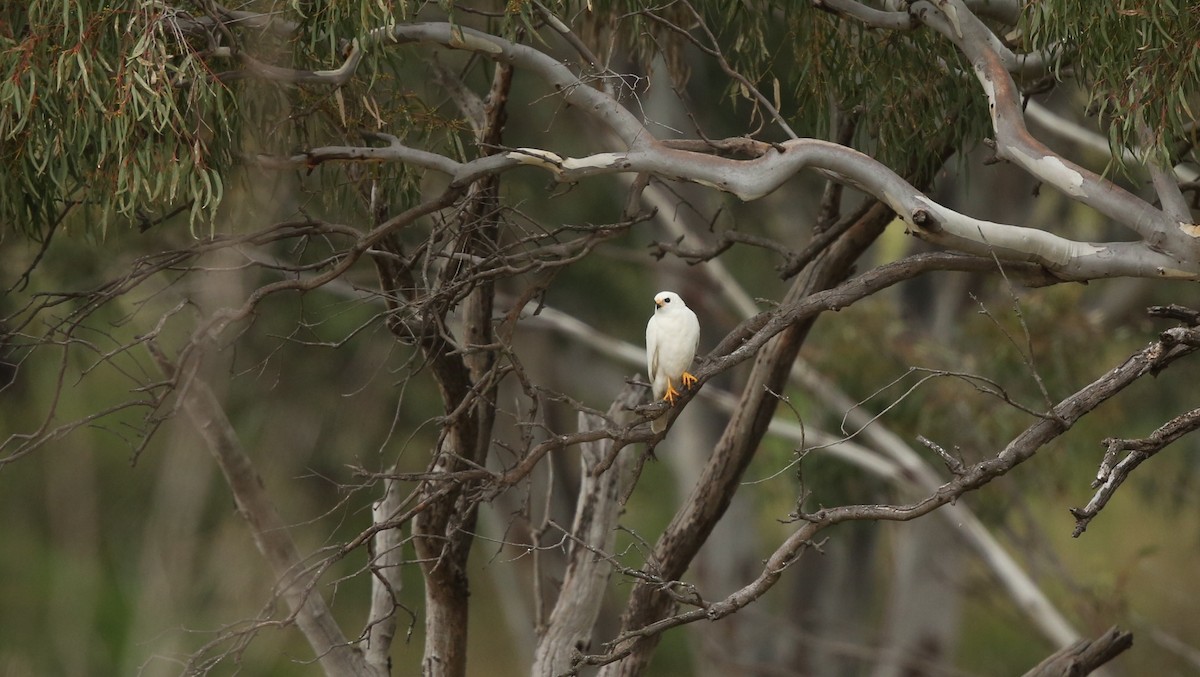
659 424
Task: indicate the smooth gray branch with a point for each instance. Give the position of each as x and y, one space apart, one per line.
597 510
386 581
1167 250
1016 144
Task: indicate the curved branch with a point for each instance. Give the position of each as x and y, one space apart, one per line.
566 83
1016 144
993 64
1068 260
878 18
264 71
752 179
901 19
1074 132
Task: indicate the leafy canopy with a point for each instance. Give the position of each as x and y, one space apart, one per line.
134 109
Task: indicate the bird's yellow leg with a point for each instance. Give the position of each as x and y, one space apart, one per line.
672 394
688 380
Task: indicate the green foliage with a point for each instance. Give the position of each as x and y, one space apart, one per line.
911 110
907 88
1139 59
318 387
133 110
108 106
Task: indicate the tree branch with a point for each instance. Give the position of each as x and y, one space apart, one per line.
597 509
752 179
1169 195
635 637
386 580
264 71
1085 656
1016 144
1110 477
298 589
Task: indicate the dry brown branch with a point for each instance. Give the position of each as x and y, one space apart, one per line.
1112 475
1085 656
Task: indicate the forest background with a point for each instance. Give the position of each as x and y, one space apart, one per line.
321 341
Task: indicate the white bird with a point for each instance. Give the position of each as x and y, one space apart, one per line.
671 339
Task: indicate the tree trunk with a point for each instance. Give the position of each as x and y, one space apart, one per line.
569 630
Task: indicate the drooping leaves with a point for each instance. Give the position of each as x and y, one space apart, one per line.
1139 59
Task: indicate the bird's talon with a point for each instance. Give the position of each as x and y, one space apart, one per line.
688 380
671 395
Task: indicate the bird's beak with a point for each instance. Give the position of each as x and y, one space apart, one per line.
657 304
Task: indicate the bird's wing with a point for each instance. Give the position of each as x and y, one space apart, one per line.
652 332
694 328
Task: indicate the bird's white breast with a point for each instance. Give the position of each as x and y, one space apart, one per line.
671 338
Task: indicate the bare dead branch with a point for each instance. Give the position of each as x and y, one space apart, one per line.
1111 476
1085 656
953 463
727 239
1183 314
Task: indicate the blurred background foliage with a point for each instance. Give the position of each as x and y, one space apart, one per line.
122 560
1140 57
